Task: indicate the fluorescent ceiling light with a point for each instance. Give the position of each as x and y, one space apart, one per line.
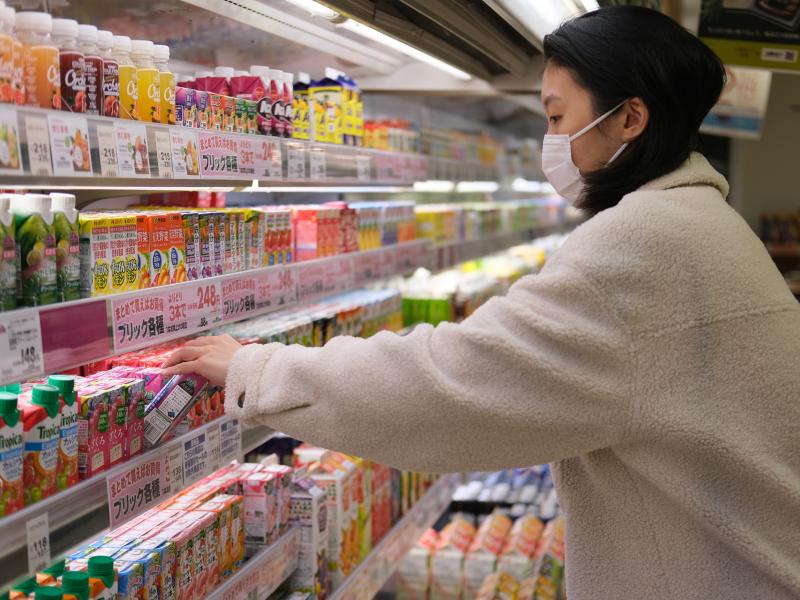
434 185
344 189
590 5
477 186
535 187
543 16
390 42
315 9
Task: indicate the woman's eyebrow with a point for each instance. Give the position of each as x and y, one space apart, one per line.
546 99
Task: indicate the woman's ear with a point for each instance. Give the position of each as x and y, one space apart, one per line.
636 118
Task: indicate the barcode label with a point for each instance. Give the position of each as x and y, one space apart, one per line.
155 424
779 55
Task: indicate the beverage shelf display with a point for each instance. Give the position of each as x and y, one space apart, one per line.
369 577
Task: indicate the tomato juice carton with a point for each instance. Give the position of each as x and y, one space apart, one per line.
130 580
191 239
68 434
41 433
185 107
260 511
93 431
11 455
171 405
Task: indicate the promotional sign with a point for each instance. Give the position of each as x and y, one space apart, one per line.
742 106
753 33
69 144
219 155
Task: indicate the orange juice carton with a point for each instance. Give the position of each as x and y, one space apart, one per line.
191 239
353 489
143 251
412 575
481 558
216 111
150 561
222 514
206 245
159 543
158 231
68 443
177 249
337 485
130 580
260 511
11 455
499 585
95 253
234 506
309 514
517 556
93 431
254 238
41 433
447 561
283 485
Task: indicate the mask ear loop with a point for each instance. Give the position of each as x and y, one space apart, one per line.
596 122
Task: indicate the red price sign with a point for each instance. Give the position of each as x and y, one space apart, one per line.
366 267
340 275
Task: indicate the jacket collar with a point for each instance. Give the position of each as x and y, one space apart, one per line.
695 171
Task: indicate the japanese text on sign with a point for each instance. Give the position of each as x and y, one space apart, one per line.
38 145
136 489
219 155
38 530
230 441
195 458
20 345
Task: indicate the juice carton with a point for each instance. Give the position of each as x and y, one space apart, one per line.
254 238
130 580
208 553
68 444
232 505
301 129
9 257
205 245
447 561
216 111
36 240
185 107
283 485
516 558
221 509
41 430
68 259
11 455
481 558
151 567
93 431
183 539
134 393
131 253
118 233
177 249
95 255
219 219
252 116
74 585
159 234
229 114
326 96
260 511
143 251
102 578
168 561
171 405
309 513
191 239
117 425
337 486
201 101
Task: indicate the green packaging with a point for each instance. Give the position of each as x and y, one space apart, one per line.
68 247
9 259
36 241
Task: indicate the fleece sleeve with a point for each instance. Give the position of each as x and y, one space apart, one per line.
541 374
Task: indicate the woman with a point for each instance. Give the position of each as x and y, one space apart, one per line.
654 359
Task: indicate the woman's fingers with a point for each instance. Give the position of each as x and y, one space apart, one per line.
192 366
205 340
186 353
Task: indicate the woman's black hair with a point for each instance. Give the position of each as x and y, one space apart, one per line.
623 52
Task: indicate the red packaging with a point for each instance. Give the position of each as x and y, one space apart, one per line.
73 81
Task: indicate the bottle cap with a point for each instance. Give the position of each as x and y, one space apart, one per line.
105 39
65 27
8 16
49 593
122 43
62 202
199 74
331 73
65 385
14 388
161 52
47 397
259 71
76 583
226 72
39 22
303 78
8 408
30 203
240 73
87 34
142 47
102 567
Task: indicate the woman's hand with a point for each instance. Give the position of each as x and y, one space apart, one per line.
208 356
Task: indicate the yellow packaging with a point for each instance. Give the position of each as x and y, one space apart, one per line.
148 94
327 101
177 249
167 87
128 92
143 251
124 255
95 242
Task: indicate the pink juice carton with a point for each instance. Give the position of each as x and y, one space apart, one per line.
134 393
118 424
41 434
283 486
276 99
260 511
93 431
185 107
172 403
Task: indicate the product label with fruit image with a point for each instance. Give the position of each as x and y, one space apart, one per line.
9 142
69 145
133 155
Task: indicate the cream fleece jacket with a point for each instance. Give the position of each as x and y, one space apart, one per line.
655 360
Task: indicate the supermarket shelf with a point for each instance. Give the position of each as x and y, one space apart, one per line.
368 578
784 251
216 159
70 334
263 573
87 502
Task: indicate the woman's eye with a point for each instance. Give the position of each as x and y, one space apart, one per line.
554 119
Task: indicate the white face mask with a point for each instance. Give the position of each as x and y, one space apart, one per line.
557 163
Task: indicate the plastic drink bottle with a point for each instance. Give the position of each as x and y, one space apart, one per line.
41 71
109 76
93 68
147 81
166 82
128 82
72 65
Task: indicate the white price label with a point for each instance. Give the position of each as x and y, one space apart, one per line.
164 153
69 144
363 168
38 145
133 156
213 442
21 353
174 476
196 457
296 168
185 158
11 157
38 543
275 164
230 441
318 164
108 150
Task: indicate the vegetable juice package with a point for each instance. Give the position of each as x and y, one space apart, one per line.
117 425
201 102
130 580
283 489
254 238
177 248
93 431
220 260
191 239
11 455
95 255
166 550
142 251
151 570
158 230
205 246
131 252
118 239
42 427
36 240
68 250
9 257
185 107
171 405
134 392
68 434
